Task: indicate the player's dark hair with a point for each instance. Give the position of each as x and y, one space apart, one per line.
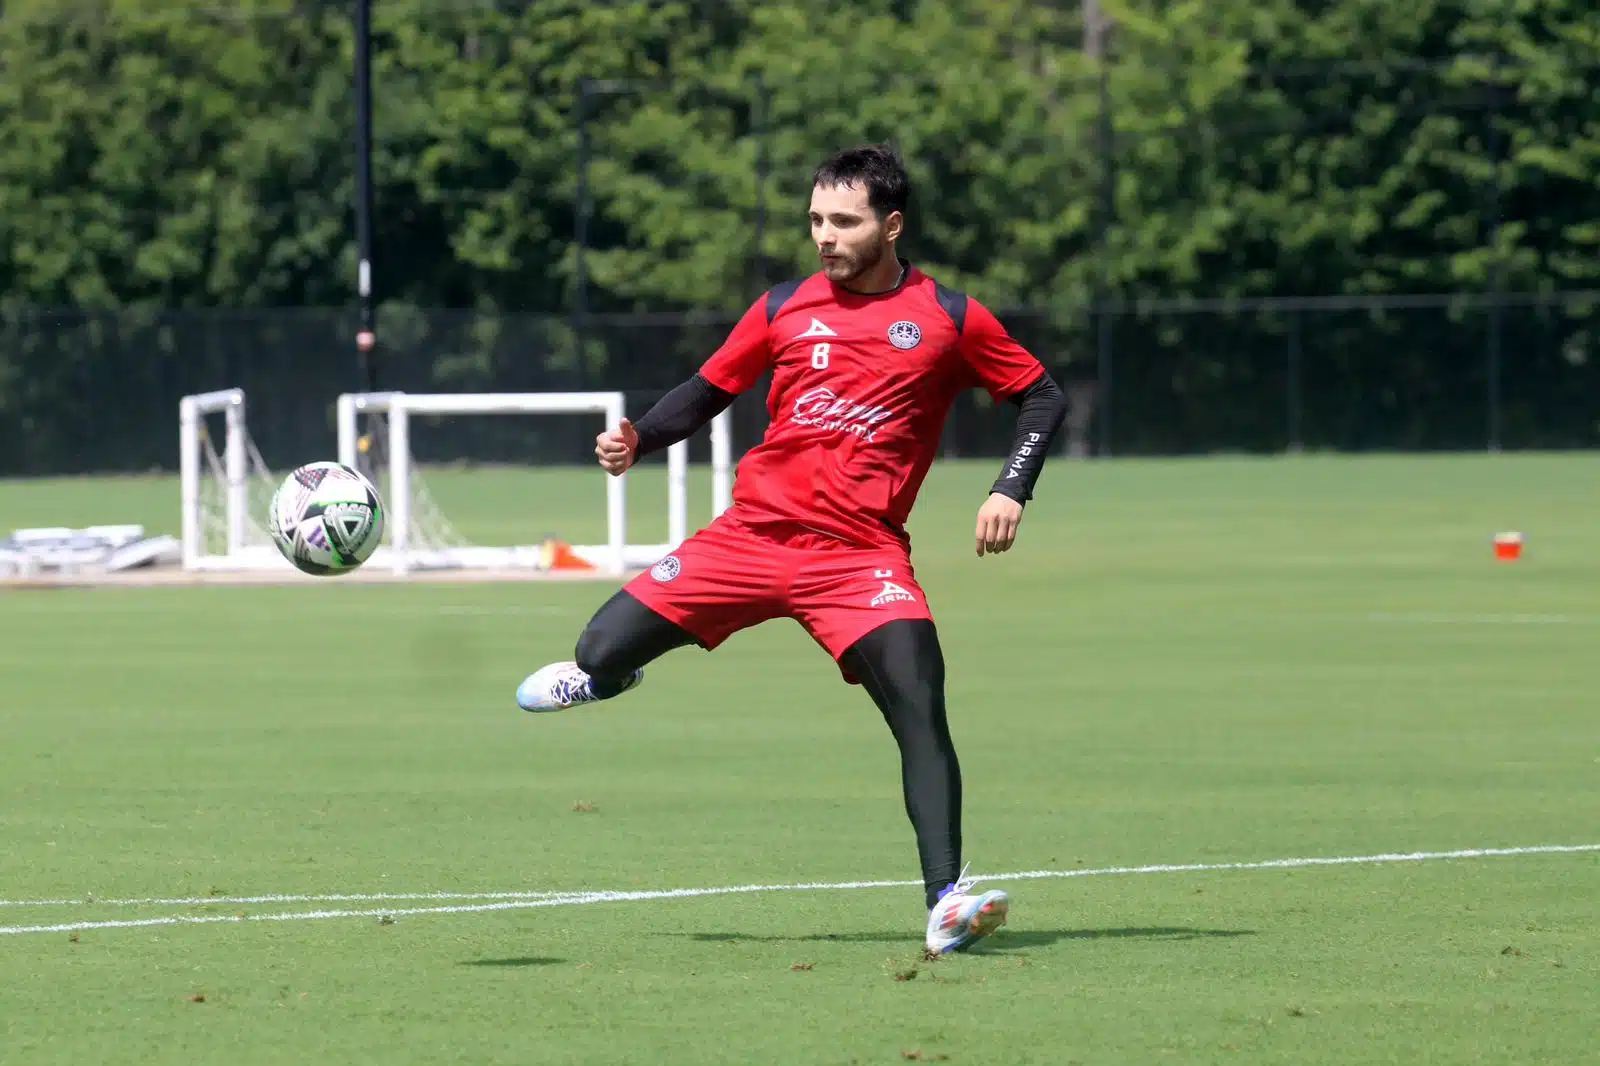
878 167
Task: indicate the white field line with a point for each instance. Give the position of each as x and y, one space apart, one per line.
335 897
515 902
393 897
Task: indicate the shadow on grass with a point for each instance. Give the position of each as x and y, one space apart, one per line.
517 963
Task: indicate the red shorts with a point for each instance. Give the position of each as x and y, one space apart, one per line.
728 577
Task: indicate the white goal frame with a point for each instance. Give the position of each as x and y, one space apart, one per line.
616 555
223 506
239 553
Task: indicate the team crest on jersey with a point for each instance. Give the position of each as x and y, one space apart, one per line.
667 568
905 335
892 593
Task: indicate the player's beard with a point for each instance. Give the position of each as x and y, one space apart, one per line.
849 266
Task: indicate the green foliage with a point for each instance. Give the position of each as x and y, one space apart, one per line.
202 158
1254 148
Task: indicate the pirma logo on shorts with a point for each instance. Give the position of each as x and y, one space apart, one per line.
892 593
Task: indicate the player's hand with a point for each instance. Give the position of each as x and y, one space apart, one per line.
998 520
615 447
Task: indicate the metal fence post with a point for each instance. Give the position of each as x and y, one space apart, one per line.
1292 374
1496 328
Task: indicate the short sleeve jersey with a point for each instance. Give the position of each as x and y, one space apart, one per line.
861 388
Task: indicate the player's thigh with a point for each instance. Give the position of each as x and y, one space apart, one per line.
841 596
715 583
625 635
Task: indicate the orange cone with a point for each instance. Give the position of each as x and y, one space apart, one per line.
1508 546
558 555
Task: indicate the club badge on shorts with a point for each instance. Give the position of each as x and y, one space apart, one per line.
905 335
667 568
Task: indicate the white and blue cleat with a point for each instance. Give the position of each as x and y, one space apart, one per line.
962 917
560 685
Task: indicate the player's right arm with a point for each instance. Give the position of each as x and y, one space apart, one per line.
678 415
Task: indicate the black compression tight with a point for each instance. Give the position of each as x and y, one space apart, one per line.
900 664
623 636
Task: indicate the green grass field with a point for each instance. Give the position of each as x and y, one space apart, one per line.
1182 663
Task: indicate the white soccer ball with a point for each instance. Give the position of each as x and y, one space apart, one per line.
326 518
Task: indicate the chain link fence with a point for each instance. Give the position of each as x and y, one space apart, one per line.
98 392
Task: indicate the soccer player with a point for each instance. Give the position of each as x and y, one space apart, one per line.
866 357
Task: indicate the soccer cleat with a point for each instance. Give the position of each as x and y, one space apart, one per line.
961 917
560 685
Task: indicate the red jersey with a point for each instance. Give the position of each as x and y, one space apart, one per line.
861 387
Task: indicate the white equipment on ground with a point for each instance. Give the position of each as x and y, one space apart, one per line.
226 493
60 551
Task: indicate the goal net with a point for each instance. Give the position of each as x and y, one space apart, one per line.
226 492
227 488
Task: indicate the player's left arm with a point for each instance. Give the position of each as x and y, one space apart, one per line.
1010 372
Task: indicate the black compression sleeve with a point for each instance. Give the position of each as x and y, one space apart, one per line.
678 414
1043 407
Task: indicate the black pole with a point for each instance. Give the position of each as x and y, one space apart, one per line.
366 333
1107 209
1496 328
580 283
1492 355
759 124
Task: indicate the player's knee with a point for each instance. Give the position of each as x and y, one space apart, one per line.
921 700
911 696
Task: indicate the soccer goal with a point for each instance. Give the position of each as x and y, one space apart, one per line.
227 487
375 435
226 493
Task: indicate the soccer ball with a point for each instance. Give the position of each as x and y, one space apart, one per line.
326 518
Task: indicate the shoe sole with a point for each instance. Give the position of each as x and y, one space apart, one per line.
558 706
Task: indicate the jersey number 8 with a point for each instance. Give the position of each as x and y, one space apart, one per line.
819 356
